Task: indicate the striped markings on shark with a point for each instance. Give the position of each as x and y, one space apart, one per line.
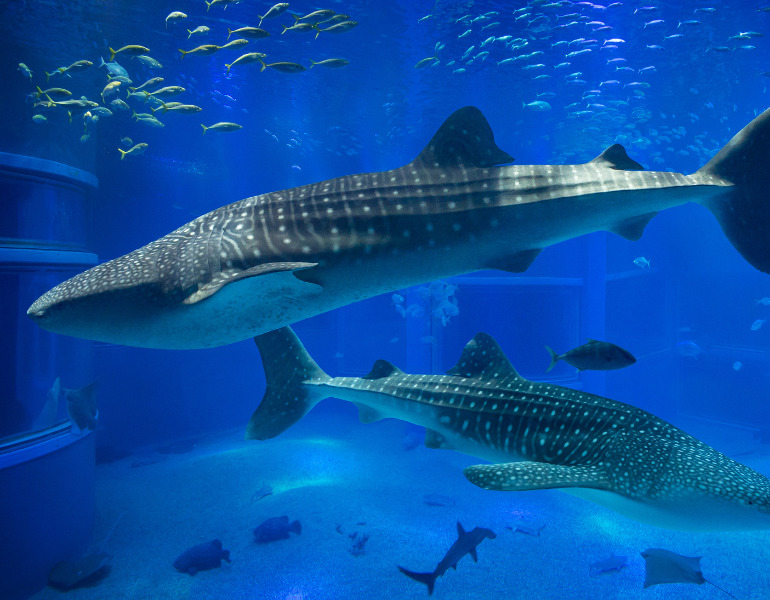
539 435
271 260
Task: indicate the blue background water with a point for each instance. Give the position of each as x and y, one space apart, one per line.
377 113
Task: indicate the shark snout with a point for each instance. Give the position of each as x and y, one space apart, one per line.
37 310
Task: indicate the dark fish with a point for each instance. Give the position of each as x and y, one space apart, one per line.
262 492
607 565
526 527
202 557
277 528
594 356
465 544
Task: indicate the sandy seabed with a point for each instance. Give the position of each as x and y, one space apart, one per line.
339 477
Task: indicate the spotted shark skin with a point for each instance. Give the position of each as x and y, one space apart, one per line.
271 260
539 435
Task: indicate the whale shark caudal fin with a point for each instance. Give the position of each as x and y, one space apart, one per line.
744 213
288 368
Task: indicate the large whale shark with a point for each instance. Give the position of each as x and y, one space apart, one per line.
540 435
271 260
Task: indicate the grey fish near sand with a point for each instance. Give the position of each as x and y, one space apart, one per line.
594 355
613 564
466 543
274 259
202 557
541 435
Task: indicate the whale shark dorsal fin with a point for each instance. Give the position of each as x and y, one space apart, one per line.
464 140
382 368
482 358
228 277
615 157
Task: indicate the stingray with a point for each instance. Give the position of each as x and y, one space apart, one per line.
67 575
81 407
664 566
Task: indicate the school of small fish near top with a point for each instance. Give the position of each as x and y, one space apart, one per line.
147 101
596 64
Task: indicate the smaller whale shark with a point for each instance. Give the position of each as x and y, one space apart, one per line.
465 544
538 435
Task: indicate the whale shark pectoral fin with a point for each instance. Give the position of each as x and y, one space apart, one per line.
522 476
632 229
515 263
615 157
229 277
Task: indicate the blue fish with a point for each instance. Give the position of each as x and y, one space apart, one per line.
114 69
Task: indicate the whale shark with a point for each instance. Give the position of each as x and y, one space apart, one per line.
536 435
270 260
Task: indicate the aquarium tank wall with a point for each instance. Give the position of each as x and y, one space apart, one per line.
506 233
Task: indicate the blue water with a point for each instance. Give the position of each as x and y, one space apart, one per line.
681 92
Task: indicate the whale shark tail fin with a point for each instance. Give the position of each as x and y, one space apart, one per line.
744 213
291 376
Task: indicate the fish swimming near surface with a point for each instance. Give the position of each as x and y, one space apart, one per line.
595 356
202 557
276 528
466 543
274 259
599 449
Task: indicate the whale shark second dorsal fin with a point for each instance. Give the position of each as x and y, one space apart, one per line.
483 358
382 368
464 140
615 157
